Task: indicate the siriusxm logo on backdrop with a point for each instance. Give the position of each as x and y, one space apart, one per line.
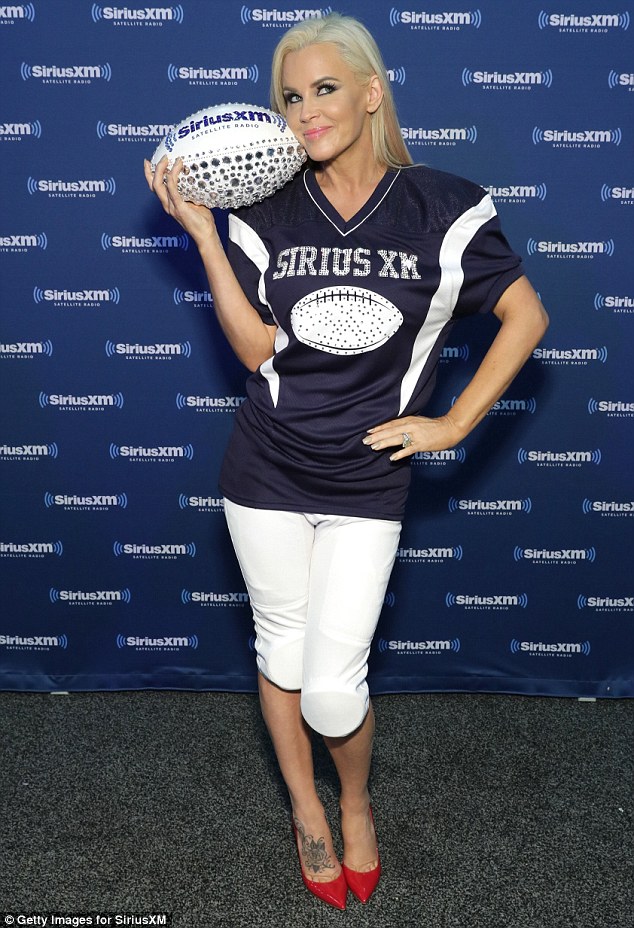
152 244
408 648
489 507
559 458
612 408
510 80
72 189
161 454
397 75
550 649
16 131
582 250
621 80
492 602
151 352
130 16
622 195
21 244
164 552
209 403
163 643
214 77
455 353
440 458
508 407
26 350
571 357
429 555
72 74
201 503
29 452
619 304
517 193
557 556
200 299
214 598
608 507
92 402
438 137
575 22
606 603
580 138
86 299
89 597
94 503
279 18
12 13
151 132
33 642
37 549
445 21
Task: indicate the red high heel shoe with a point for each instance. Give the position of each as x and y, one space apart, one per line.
362 885
332 892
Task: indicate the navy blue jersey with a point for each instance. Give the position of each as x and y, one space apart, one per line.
362 309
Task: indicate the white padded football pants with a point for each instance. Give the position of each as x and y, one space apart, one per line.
317 585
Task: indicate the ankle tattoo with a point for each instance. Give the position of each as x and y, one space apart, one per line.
314 854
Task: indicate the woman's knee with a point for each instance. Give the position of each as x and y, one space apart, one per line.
333 710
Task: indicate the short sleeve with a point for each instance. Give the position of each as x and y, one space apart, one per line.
489 266
249 259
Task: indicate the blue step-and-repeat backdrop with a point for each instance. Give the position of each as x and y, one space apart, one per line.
515 567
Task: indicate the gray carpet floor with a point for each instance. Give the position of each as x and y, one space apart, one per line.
491 811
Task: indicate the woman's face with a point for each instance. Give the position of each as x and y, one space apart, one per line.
326 107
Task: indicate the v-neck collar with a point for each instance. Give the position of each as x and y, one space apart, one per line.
324 205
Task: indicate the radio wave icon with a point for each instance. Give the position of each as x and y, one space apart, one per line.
186 349
457 553
538 135
326 11
110 349
186 597
47 348
527 504
106 72
102 129
596 456
518 553
383 645
616 136
397 75
582 601
172 73
476 19
126 596
106 241
522 600
192 641
96 13
599 301
122 500
58 548
522 456
53 595
450 600
467 77
472 134
253 73
31 185
29 11
586 506
114 451
395 17
585 648
613 79
183 241
245 15
26 71
609 247
118 400
178 296
591 555
111 186
531 404
121 643
53 450
181 401
624 20
252 643
62 641
117 549
547 78
541 192
49 500
593 406
179 15
542 20
461 455
390 599
191 549
531 246
183 501
43 400
189 452
455 644
515 646
606 193
114 295
36 129
452 504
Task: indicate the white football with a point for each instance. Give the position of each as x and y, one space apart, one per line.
345 320
234 154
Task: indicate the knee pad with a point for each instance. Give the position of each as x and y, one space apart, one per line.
335 710
280 660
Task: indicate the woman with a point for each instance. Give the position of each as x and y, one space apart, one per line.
338 293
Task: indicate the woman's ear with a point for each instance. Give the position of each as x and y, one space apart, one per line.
375 94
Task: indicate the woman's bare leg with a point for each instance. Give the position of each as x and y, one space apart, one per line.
291 739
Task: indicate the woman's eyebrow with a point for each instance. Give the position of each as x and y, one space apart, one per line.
316 83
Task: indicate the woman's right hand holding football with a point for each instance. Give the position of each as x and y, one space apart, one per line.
196 220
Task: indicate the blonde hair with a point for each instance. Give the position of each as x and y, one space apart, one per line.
360 52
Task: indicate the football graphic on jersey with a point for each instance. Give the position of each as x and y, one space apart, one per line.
234 154
344 320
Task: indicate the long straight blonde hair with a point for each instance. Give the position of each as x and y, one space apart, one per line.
360 52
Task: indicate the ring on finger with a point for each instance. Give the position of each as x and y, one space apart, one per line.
407 440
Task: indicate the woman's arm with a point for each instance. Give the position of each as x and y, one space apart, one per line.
251 339
523 323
